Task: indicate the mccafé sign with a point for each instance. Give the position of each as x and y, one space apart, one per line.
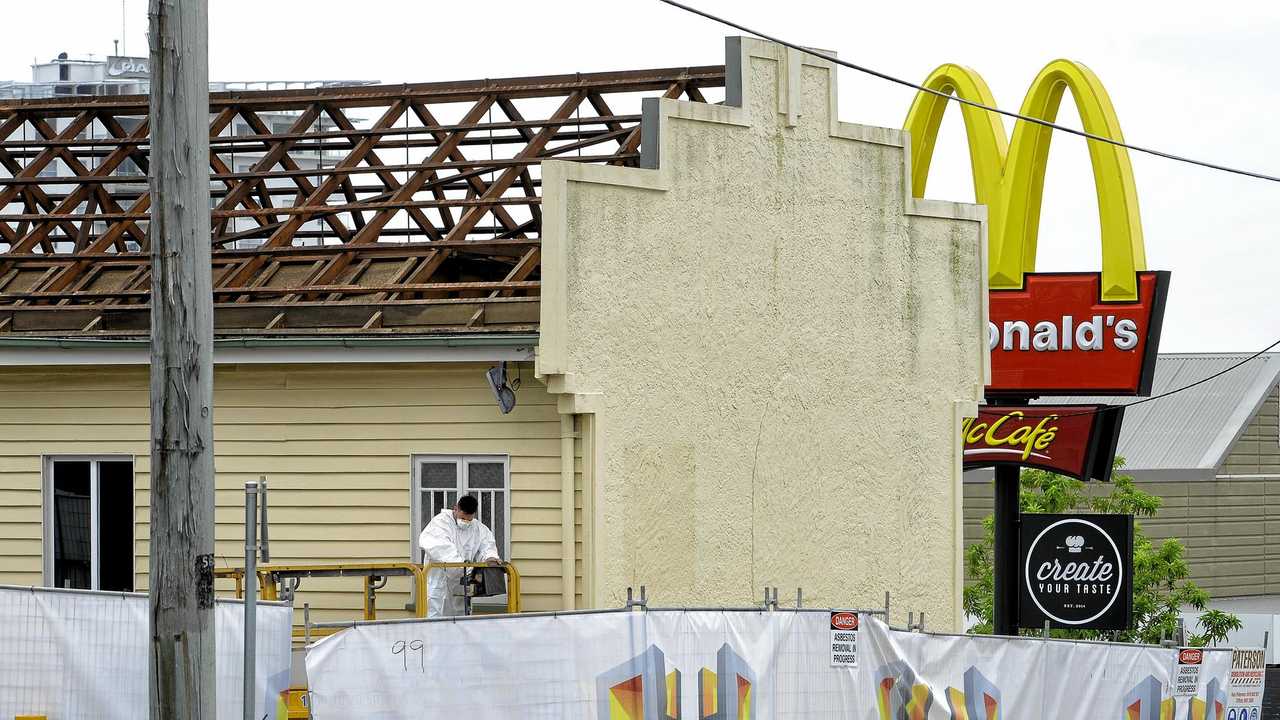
1076 571
1075 440
1052 333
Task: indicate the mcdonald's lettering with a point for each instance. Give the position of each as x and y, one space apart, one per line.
1051 333
1051 337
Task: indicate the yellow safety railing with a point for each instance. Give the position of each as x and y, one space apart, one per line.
513 580
274 580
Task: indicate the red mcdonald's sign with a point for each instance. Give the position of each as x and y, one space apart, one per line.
1055 336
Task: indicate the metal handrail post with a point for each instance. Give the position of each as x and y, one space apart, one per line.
264 543
370 608
420 586
250 599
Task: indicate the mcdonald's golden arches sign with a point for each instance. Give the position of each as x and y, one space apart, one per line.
1052 333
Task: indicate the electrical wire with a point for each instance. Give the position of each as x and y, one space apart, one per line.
1167 393
971 103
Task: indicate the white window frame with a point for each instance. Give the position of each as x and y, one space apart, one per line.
415 493
95 488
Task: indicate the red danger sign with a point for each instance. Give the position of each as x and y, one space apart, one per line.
844 621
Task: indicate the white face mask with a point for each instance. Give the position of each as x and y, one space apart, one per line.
464 524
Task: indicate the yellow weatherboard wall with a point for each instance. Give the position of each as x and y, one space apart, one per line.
773 344
335 442
1009 177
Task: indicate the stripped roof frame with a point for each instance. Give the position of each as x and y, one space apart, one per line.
423 218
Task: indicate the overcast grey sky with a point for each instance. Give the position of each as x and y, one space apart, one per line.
1194 79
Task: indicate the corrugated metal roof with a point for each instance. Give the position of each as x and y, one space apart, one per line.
1193 429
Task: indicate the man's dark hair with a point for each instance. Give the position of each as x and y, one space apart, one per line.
468 504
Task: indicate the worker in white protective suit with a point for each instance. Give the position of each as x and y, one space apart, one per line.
454 535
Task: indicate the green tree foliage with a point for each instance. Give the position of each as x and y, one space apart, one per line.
1160 584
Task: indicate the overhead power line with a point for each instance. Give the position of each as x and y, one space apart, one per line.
1203 380
1174 391
971 103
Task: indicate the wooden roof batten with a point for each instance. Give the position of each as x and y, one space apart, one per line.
391 209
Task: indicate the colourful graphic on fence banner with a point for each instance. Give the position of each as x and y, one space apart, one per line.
727 665
643 688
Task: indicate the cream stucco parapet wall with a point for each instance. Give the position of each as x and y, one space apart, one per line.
776 344
654 176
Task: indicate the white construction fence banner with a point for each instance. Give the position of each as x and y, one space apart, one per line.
738 665
74 655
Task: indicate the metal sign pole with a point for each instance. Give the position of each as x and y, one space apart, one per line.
1005 595
250 599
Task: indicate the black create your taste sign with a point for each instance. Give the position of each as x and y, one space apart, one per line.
1076 571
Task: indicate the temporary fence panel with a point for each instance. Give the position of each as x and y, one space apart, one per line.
737 665
982 677
73 655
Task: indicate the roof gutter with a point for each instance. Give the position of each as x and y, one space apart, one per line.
289 349
349 341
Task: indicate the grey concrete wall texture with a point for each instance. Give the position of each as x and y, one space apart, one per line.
1230 524
777 343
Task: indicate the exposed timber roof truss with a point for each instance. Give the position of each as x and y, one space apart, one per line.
368 209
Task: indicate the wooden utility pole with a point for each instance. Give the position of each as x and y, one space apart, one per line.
182 498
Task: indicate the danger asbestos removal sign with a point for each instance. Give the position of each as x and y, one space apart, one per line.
844 639
1186 671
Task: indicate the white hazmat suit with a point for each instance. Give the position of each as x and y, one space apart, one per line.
444 540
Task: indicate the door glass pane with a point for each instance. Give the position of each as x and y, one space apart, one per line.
486 509
439 475
115 525
434 502
72 549
486 475
487 481
499 527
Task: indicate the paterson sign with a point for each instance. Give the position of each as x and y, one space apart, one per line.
1075 440
1076 571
